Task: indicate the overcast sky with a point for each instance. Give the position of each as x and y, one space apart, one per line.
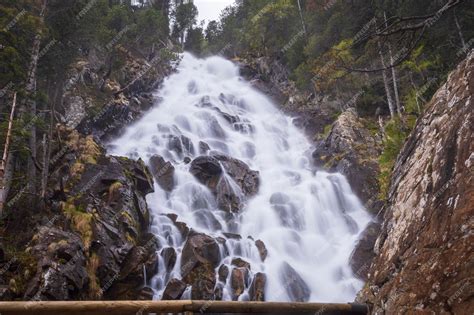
211 9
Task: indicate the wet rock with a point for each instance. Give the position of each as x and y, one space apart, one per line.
244 127
279 198
232 236
216 129
257 288
174 290
145 294
219 292
61 265
237 281
208 170
239 262
352 150
228 197
287 212
127 283
181 145
205 101
246 179
182 227
163 172
199 258
203 281
228 117
296 287
363 253
223 272
262 249
169 257
206 219
203 147
199 249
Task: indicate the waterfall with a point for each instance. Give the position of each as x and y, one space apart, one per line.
307 218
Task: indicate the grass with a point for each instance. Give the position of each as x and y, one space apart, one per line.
82 221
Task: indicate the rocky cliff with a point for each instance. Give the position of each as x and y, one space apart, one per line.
424 260
89 236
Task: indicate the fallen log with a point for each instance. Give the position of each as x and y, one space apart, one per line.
176 307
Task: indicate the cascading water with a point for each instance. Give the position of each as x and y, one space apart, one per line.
307 218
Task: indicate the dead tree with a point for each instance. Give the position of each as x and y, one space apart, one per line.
4 180
30 90
394 77
409 29
388 92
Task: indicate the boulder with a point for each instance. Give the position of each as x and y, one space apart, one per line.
238 279
296 287
239 262
247 179
163 172
203 147
182 145
262 249
223 273
257 288
169 257
199 249
174 290
231 191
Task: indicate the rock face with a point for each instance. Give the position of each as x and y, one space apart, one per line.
126 103
352 150
312 113
95 244
231 190
162 171
425 252
297 289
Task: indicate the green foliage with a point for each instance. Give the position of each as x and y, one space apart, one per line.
395 135
17 28
194 41
185 19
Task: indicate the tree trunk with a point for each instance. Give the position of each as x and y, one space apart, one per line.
394 76
30 90
302 19
391 106
4 165
461 36
45 162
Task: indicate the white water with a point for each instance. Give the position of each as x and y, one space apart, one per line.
323 218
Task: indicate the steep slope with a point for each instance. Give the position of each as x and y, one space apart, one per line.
424 254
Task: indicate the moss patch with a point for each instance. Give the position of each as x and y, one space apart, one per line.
95 291
82 221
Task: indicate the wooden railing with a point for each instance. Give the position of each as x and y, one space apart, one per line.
176 307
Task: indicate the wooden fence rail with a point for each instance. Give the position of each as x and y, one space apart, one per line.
176 307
